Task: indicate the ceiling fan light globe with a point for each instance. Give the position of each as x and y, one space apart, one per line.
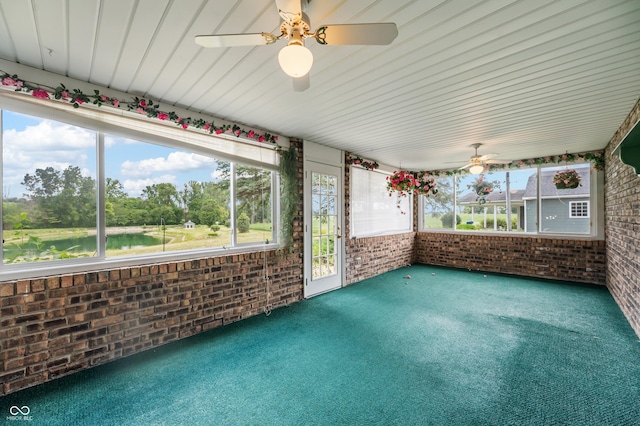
476 169
295 60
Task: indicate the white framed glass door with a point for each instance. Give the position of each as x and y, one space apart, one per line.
323 232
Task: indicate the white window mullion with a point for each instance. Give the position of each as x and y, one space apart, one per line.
101 243
232 207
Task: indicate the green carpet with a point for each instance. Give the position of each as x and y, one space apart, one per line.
444 347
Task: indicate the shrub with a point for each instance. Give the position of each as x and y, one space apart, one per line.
214 228
466 226
447 220
243 223
502 223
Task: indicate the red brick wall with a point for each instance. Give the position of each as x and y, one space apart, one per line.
622 226
53 326
368 257
570 260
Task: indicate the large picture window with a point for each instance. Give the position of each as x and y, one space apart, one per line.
512 201
74 194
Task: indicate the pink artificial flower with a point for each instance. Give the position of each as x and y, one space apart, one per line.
104 98
8 81
185 125
142 103
64 94
163 116
141 110
261 138
251 134
237 132
40 94
207 126
356 162
78 101
275 138
115 102
218 131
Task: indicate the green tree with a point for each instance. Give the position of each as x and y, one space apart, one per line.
61 199
215 203
163 201
192 197
253 191
442 201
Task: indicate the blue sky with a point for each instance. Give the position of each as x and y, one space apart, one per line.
31 142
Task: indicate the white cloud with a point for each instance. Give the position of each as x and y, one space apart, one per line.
112 140
216 175
134 187
47 144
177 161
48 135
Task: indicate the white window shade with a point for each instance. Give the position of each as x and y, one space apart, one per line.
135 126
373 211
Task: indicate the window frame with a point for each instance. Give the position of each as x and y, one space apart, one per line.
595 211
188 141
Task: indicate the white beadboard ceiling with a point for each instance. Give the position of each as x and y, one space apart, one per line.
525 78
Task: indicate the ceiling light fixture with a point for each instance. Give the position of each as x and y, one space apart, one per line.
295 60
476 169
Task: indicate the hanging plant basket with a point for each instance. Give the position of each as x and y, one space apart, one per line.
405 183
482 188
566 179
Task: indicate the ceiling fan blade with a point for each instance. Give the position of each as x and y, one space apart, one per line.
289 10
465 166
233 40
358 34
300 84
486 157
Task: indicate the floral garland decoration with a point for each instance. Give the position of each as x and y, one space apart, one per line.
357 161
595 157
140 105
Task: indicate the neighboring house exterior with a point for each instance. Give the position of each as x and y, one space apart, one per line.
563 210
189 225
497 199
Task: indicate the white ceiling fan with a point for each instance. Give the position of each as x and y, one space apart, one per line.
478 162
295 59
